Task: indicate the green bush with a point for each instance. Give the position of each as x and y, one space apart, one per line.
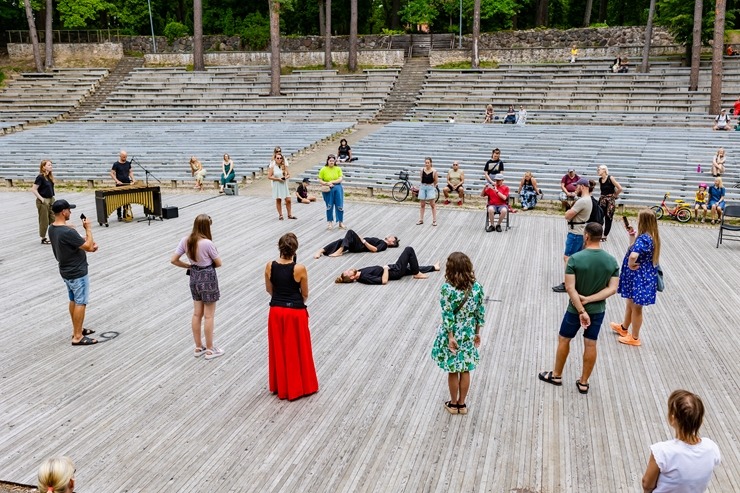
391 32
598 24
256 31
2 76
174 30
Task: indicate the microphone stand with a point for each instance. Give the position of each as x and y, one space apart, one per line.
149 217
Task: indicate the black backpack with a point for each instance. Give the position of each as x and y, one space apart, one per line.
597 214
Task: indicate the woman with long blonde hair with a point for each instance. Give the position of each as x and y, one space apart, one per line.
638 278
57 475
203 260
43 190
455 348
197 171
278 174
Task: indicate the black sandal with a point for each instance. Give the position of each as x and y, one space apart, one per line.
85 341
87 332
547 376
451 408
580 386
45 241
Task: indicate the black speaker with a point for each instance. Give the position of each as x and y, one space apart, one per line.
169 212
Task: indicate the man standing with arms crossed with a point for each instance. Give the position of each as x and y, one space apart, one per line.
591 276
69 250
577 217
123 174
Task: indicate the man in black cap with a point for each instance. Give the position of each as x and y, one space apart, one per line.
69 249
301 193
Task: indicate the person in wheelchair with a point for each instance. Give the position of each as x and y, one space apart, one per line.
498 197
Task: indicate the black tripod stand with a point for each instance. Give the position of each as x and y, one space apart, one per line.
149 216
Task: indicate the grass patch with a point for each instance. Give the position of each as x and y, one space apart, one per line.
134 53
465 65
341 69
2 76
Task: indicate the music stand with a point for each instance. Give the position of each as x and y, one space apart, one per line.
149 217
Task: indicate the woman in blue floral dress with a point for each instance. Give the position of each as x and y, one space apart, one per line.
638 278
456 346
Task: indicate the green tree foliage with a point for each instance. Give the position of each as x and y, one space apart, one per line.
301 17
78 13
255 33
678 17
174 30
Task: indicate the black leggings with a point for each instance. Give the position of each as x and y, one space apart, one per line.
407 265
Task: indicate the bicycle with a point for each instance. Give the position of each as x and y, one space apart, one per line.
401 190
681 212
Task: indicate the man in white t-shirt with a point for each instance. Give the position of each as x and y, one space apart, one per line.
577 217
722 121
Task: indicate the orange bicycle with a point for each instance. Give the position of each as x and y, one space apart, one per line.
681 212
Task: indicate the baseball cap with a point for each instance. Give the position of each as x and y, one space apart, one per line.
306 180
583 181
571 169
498 177
60 205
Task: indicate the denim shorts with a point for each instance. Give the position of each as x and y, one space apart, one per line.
78 289
427 192
572 323
498 208
573 244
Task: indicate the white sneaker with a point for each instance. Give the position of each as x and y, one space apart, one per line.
214 353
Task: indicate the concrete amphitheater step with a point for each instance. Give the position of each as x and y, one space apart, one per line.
124 67
403 96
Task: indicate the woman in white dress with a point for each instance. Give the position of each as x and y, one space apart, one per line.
278 174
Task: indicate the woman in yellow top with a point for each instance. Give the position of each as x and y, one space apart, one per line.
330 177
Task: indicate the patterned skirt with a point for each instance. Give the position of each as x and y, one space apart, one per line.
204 284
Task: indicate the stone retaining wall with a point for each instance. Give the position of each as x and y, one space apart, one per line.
69 54
545 55
287 59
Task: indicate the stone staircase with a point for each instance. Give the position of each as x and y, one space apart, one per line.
403 96
124 67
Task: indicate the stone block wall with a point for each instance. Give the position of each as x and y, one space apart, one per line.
547 55
70 54
287 59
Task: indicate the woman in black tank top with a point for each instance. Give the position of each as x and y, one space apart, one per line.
610 190
292 373
428 191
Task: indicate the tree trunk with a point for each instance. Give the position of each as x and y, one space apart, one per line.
541 15
603 9
353 36
696 46
49 35
181 11
587 13
475 63
715 97
34 36
274 48
198 62
327 36
395 18
322 27
645 68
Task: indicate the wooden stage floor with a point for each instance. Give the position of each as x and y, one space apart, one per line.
139 413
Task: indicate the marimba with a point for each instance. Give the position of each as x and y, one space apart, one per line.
109 199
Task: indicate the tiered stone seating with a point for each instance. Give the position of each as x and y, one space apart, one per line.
44 98
227 94
646 161
86 151
580 93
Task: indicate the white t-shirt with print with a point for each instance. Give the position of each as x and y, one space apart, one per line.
685 468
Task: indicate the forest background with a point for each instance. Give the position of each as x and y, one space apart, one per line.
250 19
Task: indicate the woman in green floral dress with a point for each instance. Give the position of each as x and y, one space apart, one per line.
456 346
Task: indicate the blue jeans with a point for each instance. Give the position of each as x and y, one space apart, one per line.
334 199
78 289
573 244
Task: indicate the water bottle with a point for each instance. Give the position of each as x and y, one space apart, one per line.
698 168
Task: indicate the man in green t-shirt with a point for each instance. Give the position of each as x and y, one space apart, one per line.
591 276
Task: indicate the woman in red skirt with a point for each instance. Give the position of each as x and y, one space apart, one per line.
292 372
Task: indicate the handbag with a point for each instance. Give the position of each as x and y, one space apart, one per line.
661 281
325 189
